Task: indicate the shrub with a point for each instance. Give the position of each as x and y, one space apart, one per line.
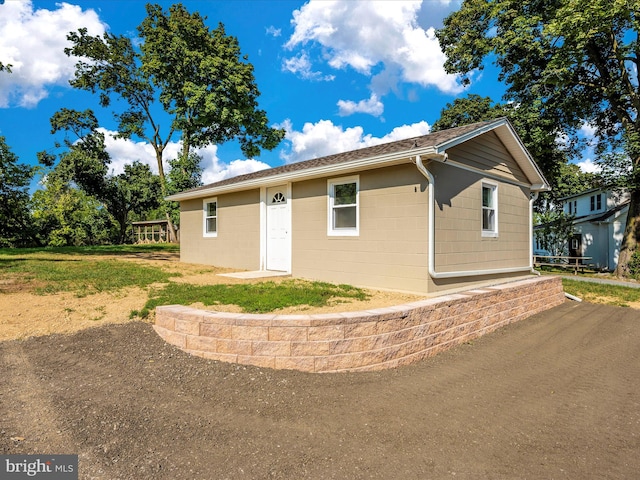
634 265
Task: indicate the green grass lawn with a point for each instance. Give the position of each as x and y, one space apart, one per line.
115 250
260 297
78 270
601 293
53 274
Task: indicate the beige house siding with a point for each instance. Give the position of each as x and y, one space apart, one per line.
487 153
459 244
391 248
237 244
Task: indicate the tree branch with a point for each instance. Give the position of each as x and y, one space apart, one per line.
595 54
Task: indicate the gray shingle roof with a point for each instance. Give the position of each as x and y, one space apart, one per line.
432 139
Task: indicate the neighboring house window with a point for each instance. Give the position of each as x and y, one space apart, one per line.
596 202
489 210
343 206
210 211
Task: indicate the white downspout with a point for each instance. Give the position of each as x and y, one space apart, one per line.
442 157
531 202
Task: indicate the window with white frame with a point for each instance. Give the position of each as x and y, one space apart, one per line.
489 210
344 213
210 217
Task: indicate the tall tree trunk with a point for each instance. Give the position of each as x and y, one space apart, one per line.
121 219
171 229
631 238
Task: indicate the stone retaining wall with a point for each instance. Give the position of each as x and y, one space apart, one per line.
356 341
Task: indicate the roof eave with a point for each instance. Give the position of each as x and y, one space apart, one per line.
306 174
441 147
541 187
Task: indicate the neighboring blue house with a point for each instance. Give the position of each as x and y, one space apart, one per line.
600 220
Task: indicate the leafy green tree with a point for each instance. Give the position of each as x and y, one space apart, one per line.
185 173
540 140
465 110
86 162
196 74
15 222
577 59
205 82
572 180
134 192
553 231
67 216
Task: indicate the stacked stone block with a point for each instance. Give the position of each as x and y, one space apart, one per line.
356 341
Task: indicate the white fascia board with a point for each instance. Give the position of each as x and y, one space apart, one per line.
306 174
440 148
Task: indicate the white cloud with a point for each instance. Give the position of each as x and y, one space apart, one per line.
301 65
372 106
315 140
562 139
124 152
273 31
324 138
407 131
588 130
218 171
319 139
588 166
363 35
33 42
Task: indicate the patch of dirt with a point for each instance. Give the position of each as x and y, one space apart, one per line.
24 314
610 301
554 396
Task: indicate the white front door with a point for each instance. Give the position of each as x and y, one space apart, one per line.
278 226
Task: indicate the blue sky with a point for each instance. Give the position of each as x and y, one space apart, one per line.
337 75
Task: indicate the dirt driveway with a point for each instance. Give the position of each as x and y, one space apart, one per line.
555 396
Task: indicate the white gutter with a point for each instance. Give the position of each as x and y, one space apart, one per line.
305 174
442 157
